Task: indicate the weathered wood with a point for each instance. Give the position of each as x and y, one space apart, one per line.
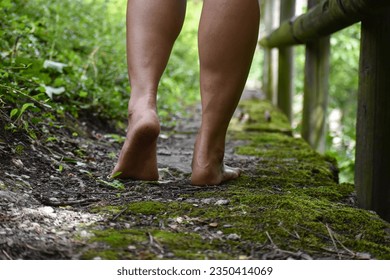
316 90
286 65
372 172
324 19
270 70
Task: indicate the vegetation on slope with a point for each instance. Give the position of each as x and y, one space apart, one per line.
68 57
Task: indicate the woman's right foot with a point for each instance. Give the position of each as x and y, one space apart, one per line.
208 167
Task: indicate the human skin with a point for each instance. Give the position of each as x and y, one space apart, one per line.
228 33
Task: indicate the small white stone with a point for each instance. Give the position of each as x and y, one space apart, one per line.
222 202
47 210
233 236
35 225
207 200
85 234
17 162
363 256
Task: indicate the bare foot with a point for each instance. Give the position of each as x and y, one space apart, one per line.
208 167
138 157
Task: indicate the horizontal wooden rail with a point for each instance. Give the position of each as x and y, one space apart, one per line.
324 19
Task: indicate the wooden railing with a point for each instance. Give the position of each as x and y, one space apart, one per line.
372 166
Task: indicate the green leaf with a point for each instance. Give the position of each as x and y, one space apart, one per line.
6 4
114 184
116 174
13 113
83 94
25 107
51 139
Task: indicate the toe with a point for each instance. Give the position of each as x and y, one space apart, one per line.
230 173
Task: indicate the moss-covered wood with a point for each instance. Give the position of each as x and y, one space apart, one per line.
372 175
286 65
324 19
316 90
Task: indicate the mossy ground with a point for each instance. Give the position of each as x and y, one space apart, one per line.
287 204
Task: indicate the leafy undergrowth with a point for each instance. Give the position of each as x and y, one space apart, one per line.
61 58
288 204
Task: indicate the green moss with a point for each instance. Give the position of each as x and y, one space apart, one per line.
285 159
118 239
146 207
181 245
333 192
262 116
105 255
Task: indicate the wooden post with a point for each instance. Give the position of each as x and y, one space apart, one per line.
286 65
270 71
372 172
316 90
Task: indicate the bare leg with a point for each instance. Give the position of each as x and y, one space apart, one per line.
152 28
227 39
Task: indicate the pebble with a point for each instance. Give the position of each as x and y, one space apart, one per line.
234 237
192 200
174 227
207 200
47 210
363 256
17 162
54 178
222 202
85 234
35 225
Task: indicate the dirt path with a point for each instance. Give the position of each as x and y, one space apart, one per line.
57 203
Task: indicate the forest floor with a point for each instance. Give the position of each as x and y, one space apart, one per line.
56 201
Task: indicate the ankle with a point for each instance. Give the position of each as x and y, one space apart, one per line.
143 97
208 152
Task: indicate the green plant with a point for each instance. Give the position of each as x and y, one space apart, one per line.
60 57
